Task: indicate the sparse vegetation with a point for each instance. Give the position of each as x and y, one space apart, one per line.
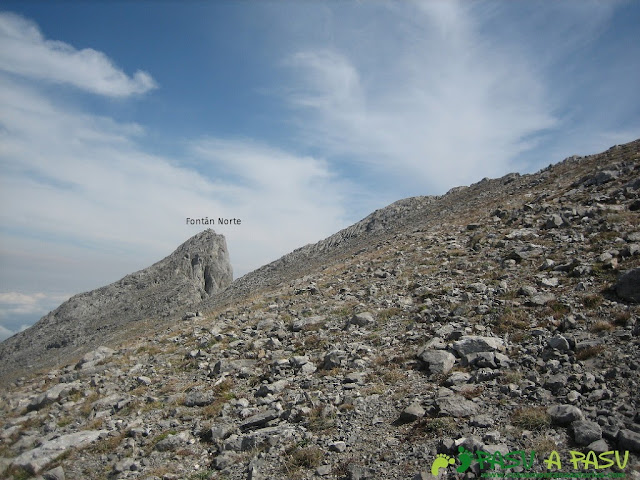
320 419
602 326
589 352
17 473
592 301
434 427
305 457
531 418
511 321
543 446
558 309
622 318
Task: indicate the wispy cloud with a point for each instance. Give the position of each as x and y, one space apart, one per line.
86 181
285 200
19 310
449 108
24 51
446 94
23 304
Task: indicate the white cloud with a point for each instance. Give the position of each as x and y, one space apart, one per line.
284 200
16 308
16 303
94 205
447 93
5 333
24 51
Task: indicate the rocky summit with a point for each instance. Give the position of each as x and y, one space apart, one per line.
489 331
198 268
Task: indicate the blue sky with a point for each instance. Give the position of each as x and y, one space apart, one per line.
120 119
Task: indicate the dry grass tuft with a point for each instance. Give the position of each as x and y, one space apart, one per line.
531 418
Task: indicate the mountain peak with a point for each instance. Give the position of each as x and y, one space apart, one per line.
198 268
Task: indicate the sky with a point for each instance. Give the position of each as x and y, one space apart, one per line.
120 120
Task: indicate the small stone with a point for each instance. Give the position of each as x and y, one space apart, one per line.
412 413
559 343
437 361
549 282
199 399
225 460
482 421
573 396
478 287
629 440
334 359
586 432
55 474
259 419
628 286
362 319
172 442
125 465
220 432
338 447
554 221
142 380
308 368
564 414
475 343
599 446
300 324
541 299
456 406
323 470
298 361
457 378
527 291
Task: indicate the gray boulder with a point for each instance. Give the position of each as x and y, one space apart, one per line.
362 319
52 395
412 413
437 361
586 432
456 406
35 460
628 286
475 343
564 414
629 440
559 342
300 324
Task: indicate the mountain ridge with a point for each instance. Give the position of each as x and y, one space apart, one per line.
500 317
197 268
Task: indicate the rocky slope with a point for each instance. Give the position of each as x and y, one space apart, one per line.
198 268
499 317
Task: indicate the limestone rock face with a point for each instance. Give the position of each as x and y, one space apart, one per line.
198 268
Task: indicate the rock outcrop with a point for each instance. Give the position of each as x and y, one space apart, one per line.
496 318
199 268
